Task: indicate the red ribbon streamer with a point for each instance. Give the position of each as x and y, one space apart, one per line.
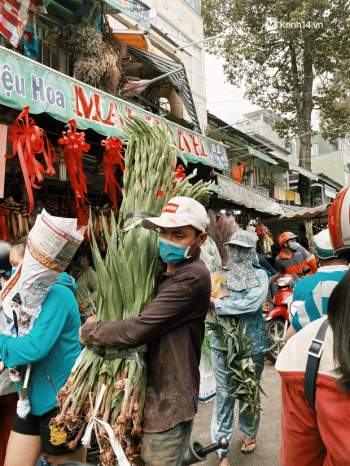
112 158
28 141
74 146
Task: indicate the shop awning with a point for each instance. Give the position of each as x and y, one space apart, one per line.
302 171
260 155
26 82
134 38
307 213
246 196
330 192
136 10
178 79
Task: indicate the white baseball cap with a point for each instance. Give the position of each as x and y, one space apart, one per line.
179 212
322 245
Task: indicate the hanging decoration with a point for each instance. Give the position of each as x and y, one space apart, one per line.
74 147
112 158
29 141
179 175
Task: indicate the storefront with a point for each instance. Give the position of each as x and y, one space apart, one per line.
54 99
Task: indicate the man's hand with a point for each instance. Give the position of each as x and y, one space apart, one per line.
85 330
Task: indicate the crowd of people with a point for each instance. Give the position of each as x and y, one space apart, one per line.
314 364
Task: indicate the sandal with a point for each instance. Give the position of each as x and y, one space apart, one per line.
245 445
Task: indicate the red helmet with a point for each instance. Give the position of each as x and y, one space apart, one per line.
339 221
285 236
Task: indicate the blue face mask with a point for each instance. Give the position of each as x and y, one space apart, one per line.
172 253
293 246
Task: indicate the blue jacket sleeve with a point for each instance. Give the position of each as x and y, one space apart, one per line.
244 302
42 337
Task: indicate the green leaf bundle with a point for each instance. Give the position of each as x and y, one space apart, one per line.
126 285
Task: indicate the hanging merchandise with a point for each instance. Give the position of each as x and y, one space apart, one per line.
29 141
112 158
297 200
4 225
238 172
30 42
101 222
265 239
279 193
290 195
74 147
18 218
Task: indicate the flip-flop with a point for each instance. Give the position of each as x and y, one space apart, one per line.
248 452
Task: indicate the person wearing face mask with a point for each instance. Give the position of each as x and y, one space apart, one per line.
248 287
294 259
173 328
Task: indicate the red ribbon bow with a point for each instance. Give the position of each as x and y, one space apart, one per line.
180 172
179 175
112 158
28 141
74 146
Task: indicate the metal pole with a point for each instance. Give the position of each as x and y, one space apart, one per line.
198 42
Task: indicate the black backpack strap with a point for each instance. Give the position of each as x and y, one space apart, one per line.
313 363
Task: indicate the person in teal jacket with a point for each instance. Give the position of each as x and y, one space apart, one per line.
248 287
51 347
311 294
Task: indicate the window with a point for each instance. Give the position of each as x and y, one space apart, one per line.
196 4
49 54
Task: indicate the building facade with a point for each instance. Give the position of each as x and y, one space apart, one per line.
176 24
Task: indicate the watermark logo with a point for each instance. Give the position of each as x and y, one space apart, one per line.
273 24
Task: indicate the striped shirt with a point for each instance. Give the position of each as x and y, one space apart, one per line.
313 293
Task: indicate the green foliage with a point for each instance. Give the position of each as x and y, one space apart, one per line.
126 284
292 57
236 348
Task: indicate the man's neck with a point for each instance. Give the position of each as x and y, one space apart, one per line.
170 268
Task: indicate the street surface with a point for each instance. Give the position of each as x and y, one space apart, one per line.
267 451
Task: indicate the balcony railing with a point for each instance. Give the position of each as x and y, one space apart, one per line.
247 196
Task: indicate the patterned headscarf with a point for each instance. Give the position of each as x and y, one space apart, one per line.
240 270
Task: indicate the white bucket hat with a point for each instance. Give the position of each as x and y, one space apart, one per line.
243 238
179 212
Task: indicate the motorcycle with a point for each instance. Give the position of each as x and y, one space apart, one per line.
279 313
277 316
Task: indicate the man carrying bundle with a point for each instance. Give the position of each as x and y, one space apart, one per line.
173 328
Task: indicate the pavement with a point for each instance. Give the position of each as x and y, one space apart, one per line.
268 439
